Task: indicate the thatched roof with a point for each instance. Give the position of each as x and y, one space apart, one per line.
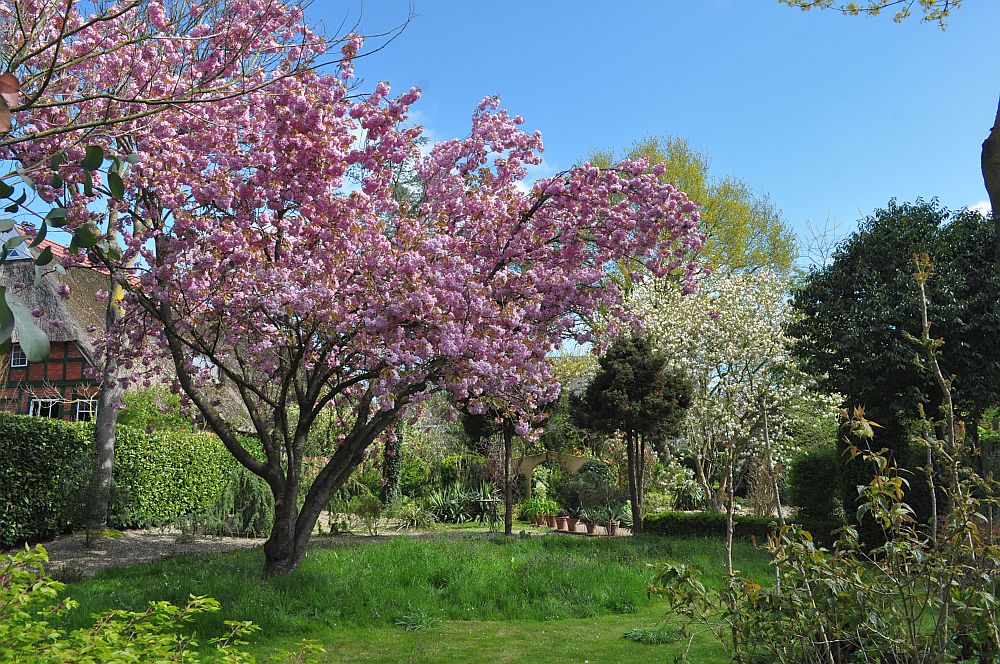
80 317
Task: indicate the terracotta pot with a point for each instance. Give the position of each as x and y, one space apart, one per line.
571 523
561 522
539 520
591 527
612 527
550 520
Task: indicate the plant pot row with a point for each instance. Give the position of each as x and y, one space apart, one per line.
569 524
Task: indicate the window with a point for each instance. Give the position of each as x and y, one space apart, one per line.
19 251
17 357
86 410
45 408
202 362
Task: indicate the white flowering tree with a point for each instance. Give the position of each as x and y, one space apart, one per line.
729 338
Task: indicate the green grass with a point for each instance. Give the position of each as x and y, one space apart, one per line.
450 598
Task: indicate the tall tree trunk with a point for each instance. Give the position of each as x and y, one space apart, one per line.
392 466
508 493
991 177
632 462
640 456
105 427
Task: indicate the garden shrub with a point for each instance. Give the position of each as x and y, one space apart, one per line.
464 469
245 508
813 482
154 409
416 478
163 475
44 472
813 487
574 490
707 524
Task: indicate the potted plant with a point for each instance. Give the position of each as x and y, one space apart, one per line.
590 521
561 521
572 519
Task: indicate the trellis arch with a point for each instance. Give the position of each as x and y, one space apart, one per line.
569 463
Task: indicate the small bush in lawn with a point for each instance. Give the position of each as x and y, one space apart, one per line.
653 635
417 620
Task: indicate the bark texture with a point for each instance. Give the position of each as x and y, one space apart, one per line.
991 176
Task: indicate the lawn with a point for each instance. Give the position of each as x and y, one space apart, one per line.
450 598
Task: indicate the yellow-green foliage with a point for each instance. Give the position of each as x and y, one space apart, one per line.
165 474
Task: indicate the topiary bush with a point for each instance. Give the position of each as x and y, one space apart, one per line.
163 475
44 471
814 482
708 524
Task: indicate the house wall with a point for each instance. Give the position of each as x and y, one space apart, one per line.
61 376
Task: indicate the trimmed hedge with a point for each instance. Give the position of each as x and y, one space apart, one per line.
707 524
44 470
163 475
814 482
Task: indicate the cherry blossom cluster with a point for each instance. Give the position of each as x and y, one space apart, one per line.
266 231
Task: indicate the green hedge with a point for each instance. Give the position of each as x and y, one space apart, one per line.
707 524
44 468
166 474
814 482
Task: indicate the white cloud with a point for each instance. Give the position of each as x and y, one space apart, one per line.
982 207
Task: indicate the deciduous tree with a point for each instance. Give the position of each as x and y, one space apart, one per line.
264 242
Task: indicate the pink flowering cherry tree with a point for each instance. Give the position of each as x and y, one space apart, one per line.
269 240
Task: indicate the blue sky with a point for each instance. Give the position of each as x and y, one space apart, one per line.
831 115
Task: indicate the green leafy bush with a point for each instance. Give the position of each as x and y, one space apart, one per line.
813 482
163 475
417 477
245 508
464 469
707 524
156 409
44 469
29 601
535 507
574 490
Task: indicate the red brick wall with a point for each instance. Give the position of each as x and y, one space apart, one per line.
58 377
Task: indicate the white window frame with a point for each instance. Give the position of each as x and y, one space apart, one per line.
88 406
35 407
202 362
18 360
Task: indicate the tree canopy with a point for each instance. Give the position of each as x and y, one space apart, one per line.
744 230
853 315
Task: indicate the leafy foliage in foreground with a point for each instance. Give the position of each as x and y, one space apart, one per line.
29 601
914 599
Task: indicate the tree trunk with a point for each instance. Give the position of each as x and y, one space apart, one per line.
640 475
392 466
105 428
508 493
632 464
287 544
991 177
